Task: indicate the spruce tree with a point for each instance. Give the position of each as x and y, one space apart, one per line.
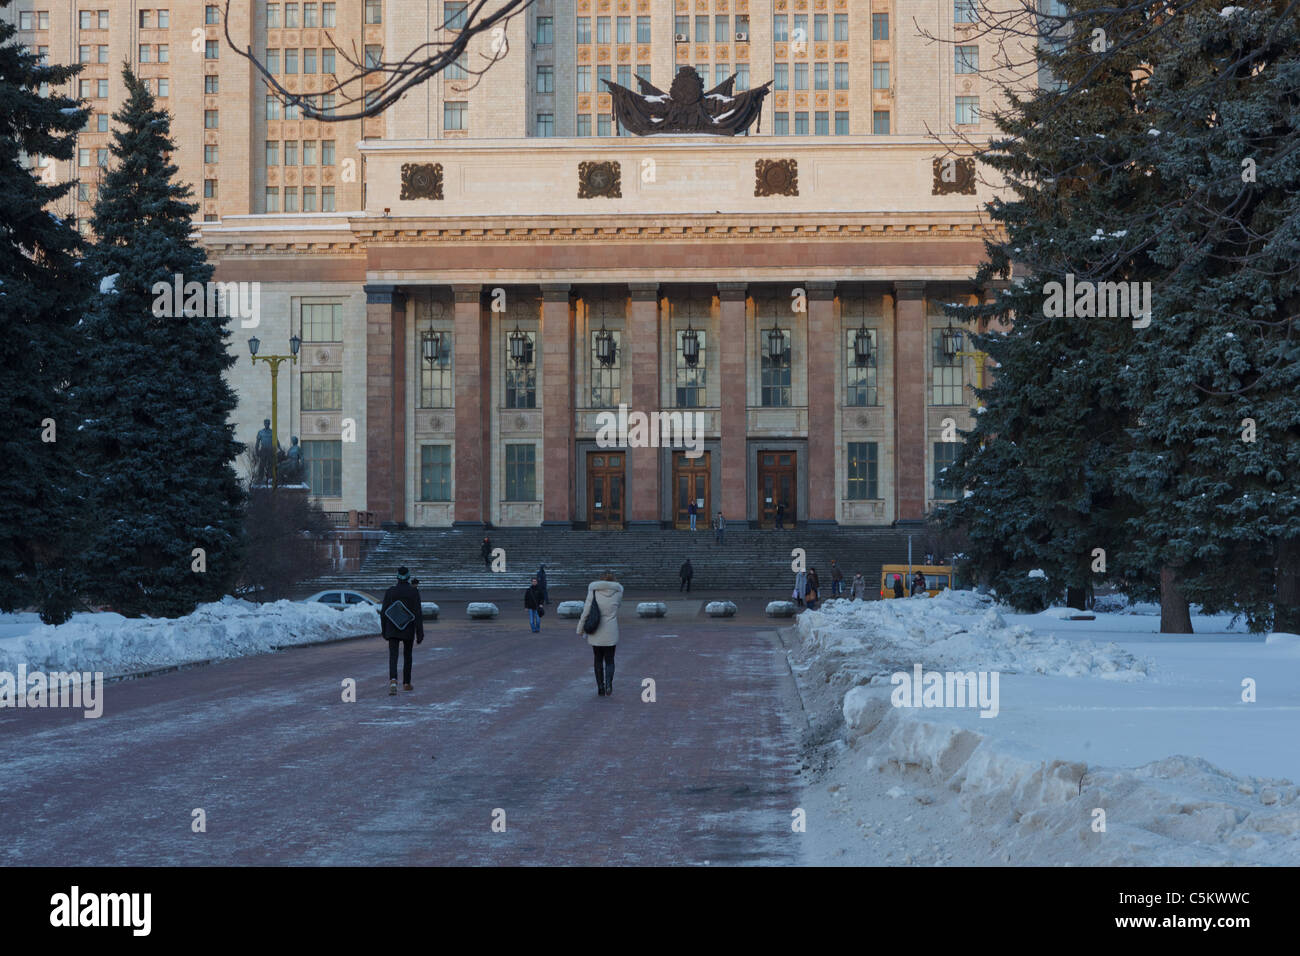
159 443
42 294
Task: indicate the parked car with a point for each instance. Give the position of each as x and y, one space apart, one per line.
341 599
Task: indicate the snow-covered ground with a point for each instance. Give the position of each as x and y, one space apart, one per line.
116 645
1105 715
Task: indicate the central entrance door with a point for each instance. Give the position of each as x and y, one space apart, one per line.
691 483
777 472
605 490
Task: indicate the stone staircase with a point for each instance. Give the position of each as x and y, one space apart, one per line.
448 559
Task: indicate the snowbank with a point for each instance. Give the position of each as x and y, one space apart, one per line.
117 645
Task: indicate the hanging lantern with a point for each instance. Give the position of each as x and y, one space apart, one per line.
951 341
431 346
690 346
520 352
294 344
862 346
605 345
776 351
254 343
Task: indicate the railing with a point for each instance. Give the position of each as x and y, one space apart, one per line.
351 519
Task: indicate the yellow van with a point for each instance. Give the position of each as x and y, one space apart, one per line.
937 577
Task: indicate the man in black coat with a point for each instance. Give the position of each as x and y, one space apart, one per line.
401 596
686 573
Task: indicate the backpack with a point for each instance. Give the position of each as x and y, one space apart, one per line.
593 617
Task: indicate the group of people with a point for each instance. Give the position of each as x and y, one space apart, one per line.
917 584
807 586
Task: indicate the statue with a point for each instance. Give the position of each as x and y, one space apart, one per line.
263 449
291 471
687 108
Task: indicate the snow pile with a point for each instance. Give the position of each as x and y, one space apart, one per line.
115 645
959 630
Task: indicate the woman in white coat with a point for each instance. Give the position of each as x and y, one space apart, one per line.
608 596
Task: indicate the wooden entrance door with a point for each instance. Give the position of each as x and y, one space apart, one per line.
777 482
691 483
605 490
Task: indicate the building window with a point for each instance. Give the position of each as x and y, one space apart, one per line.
722 29
436 383
211 14
774 375
273 152
455 114
880 75
291 59
682 27
272 16
819 28
968 110
545 30
861 470
966 59
880 122
521 380
606 380
945 454
859 380
584 79
821 123
742 76
841 76
701 29
210 153
101 123
964 11
546 79
272 198
822 76
691 382
290 198
308 198
211 85
521 472
435 473
780 76
841 27
164 53
101 88
101 158
309 152
603 125
324 463
642 29
209 189
801 123
83 157
454 14
328 15
374 12
801 76
322 322
309 15
327 60
272 107
273 61
625 75
841 123
212 119
945 374
780 28
782 123
880 26
211 50
327 199
164 20
545 124
291 152
584 30
309 61
83 53
602 30
584 124
164 87
25 21
322 391
623 29
83 192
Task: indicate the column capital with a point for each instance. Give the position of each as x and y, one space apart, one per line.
820 289
383 295
909 289
732 291
643 291
555 291
467 293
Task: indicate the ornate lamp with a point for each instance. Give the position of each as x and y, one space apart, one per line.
951 341
776 350
295 343
519 346
254 343
690 346
862 345
605 345
431 346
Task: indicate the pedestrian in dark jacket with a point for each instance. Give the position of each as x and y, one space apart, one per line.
898 585
486 552
837 579
693 510
541 583
918 583
814 582
686 573
533 601
780 516
810 590
401 603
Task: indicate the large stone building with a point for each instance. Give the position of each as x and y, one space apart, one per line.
409 251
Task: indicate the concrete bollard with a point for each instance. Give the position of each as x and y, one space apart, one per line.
429 610
651 609
780 609
570 609
481 610
720 609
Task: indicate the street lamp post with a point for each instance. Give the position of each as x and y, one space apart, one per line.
254 343
952 347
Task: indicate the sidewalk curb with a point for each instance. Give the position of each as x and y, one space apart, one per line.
188 665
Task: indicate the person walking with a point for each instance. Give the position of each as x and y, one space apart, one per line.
898 585
811 591
486 552
693 510
918 584
606 595
800 585
401 623
858 588
814 582
686 573
533 602
541 583
837 579
721 525
780 516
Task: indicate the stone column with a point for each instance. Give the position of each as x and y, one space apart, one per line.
385 403
556 341
910 432
733 396
641 351
823 351
473 383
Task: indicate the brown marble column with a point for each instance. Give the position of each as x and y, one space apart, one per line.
557 347
733 396
823 352
385 403
641 353
473 383
910 433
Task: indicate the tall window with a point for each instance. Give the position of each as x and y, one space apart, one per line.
606 380
945 453
859 380
454 14
521 472
322 391
841 76
964 11
880 75
880 122
880 26
968 110
455 114
819 28
322 322
546 79
722 29
602 30
862 460
821 76
435 473
324 464
545 30
545 124
437 385
780 28
642 29
841 122
584 79
966 59
701 29
691 382
945 374
584 30
374 11
841 27
624 29
521 380
774 374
